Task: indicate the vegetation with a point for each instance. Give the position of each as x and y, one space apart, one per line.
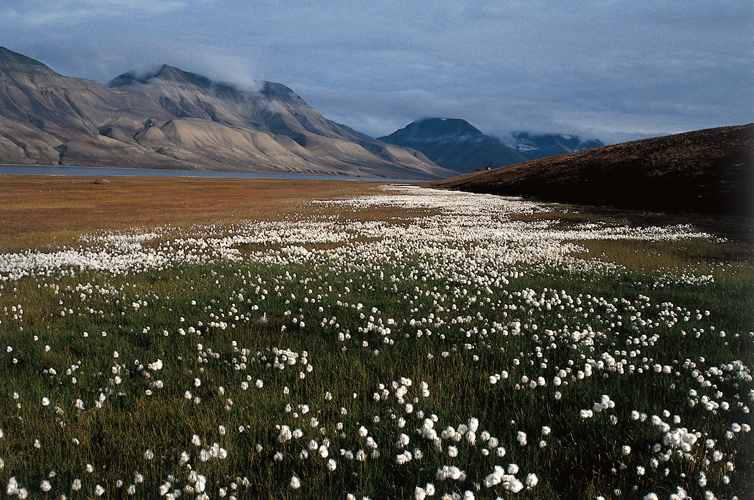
705 171
452 351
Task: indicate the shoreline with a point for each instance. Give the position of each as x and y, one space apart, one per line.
57 170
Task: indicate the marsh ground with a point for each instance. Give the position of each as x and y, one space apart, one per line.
350 340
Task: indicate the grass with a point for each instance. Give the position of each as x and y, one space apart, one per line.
455 319
47 211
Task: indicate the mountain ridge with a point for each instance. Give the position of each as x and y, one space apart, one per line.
10 58
177 119
543 145
455 144
459 146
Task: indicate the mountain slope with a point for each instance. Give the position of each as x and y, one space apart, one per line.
454 144
544 145
457 145
182 120
706 171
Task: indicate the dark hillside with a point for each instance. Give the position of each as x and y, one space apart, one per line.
706 171
454 144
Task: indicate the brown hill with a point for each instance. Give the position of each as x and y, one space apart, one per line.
706 171
176 119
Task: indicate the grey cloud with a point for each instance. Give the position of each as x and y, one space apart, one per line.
44 12
602 68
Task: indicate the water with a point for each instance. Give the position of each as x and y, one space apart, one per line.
138 172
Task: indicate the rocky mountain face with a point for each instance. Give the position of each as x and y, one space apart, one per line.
706 171
457 145
176 119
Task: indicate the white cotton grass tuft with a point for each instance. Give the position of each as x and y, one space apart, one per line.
295 483
461 303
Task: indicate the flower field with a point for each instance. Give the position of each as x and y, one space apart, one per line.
458 347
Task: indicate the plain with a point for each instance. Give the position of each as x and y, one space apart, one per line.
247 339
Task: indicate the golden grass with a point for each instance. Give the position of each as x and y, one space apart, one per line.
47 211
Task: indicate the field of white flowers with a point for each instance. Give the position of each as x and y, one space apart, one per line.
452 352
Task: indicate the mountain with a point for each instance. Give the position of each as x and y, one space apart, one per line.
454 144
457 145
544 145
176 119
706 171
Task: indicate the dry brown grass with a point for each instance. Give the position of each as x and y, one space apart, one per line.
45 211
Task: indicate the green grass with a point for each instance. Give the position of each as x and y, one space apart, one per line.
581 458
366 312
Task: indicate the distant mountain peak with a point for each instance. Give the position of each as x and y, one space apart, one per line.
544 145
448 124
165 73
132 77
438 129
455 144
177 75
13 60
8 57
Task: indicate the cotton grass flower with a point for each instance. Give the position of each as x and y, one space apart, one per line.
531 481
403 441
486 252
12 487
403 458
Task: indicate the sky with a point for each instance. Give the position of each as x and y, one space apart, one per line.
613 70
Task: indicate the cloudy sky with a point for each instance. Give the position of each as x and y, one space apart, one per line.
611 69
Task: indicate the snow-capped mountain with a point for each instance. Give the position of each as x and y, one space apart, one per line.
457 145
544 145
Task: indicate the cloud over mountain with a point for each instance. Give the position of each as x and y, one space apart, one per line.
172 118
459 146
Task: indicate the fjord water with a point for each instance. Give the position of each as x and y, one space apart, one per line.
150 172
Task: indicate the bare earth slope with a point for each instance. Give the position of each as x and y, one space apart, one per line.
706 171
175 119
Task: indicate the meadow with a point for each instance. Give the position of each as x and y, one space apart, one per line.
352 340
